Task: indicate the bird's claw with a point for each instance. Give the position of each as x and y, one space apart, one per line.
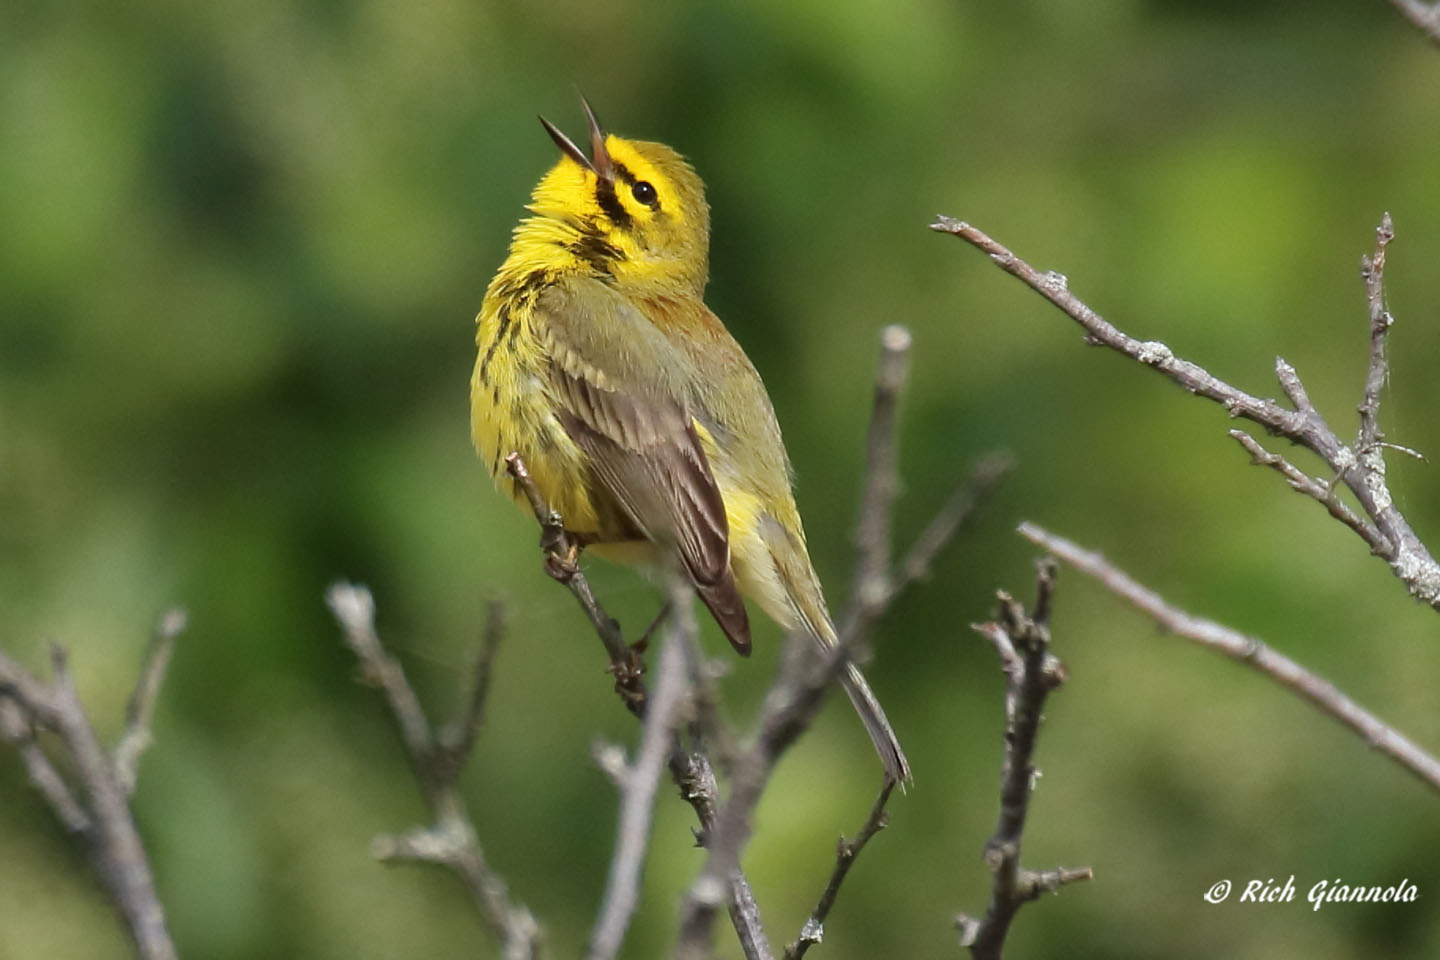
562 565
628 674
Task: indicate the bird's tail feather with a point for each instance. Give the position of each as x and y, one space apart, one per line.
897 768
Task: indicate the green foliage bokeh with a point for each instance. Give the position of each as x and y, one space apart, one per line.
240 253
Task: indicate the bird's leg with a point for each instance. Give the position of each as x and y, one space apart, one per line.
641 645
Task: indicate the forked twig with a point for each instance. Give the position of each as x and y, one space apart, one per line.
845 853
97 805
639 781
1250 651
1359 465
1032 672
451 840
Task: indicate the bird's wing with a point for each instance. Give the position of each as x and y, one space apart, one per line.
622 394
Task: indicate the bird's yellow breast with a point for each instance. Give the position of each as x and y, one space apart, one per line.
511 410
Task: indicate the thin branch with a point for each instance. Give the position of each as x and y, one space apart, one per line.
871 586
878 583
690 767
1302 482
141 710
1426 16
1250 651
561 555
793 700
797 692
1032 672
1377 372
795 695
948 522
104 818
639 782
798 689
457 738
451 841
17 729
1360 466
845 853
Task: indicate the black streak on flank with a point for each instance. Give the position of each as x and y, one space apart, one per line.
494 342
534 281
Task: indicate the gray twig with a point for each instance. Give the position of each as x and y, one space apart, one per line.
846 851
1023 643
1377 371
790 705
457 738
871 586
798 690
17 728
103 817
639 781
878 582
1302 482
806 673
951 518
451 841
1360 466
562 564
141 710
1426 16
1250 651
690 767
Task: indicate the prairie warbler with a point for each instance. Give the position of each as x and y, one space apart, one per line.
639 417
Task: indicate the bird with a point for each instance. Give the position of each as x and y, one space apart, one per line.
640 419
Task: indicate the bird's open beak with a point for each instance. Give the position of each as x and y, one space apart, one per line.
598 162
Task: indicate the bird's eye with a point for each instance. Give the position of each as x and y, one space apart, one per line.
645 193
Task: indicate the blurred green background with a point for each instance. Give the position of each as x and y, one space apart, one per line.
241 249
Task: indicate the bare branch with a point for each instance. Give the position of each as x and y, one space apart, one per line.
17 729
451 841
915 565
798 689
561 556
638 786
690 767
1372 269
1361 467
1250 651
790 706
845 853
1301 482
141 711
882 484
1426 16
104 818
1023 642
457 738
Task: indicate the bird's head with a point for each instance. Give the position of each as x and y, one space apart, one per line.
639 208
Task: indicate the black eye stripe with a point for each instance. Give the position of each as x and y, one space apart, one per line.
642 190
614 209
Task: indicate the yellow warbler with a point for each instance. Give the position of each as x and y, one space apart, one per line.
641 420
